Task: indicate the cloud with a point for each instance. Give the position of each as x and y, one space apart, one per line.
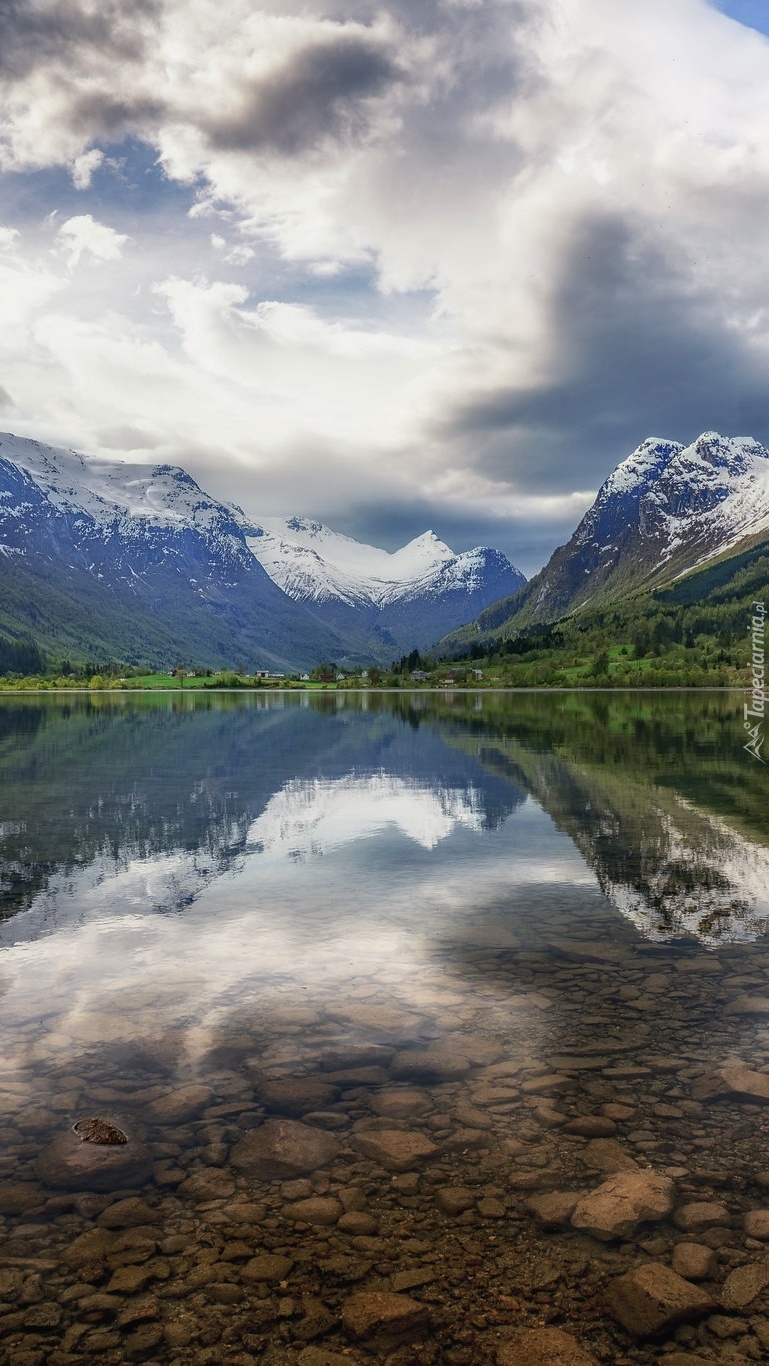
84 233
318 92
84 166
443 255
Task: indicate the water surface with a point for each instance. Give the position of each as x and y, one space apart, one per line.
478 919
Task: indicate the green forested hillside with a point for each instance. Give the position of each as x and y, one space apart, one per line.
693 633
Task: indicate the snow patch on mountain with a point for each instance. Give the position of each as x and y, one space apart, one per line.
716 489
106 490
310 562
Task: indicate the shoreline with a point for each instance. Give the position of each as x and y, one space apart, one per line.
203 692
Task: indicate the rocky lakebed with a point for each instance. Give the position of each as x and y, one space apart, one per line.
559 1157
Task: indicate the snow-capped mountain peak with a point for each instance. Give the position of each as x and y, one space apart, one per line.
314 564
666 509
144 543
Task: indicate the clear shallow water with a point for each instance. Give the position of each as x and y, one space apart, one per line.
227 892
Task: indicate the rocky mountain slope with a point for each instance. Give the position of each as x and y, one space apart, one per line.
664 511
134 562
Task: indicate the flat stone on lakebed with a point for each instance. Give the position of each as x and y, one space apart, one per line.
396 1150
652 1299
282 1148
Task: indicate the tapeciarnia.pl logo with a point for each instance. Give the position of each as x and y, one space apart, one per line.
755 708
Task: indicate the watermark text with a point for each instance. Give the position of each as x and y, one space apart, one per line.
755 709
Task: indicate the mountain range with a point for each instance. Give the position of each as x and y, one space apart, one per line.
135 562
664 511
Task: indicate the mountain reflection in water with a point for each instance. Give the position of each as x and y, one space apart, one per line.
137 805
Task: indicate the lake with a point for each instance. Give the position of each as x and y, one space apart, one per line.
406 1027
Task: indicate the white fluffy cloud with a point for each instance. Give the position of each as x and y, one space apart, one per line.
463 255
85 233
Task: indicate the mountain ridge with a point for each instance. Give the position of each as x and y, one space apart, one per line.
105 557
664 511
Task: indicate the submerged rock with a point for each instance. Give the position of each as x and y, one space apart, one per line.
296 1096
180 1105
379 1311
652 1299
733 1083
282 1148
396 1149
616 1208
73 1162
544 1347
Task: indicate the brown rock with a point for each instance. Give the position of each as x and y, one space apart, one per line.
19 1197
554 1209
616 1111
733 1083
129 1213
179 1105
269 1266
359 1224
129 1280
318 1356
540 1086
597 951
454 1200
616 1208
428 1064
318 1209
607 1155
373 1312
207 1183
694 1261
544 1347
282 1148
89 1250
701 1214
388 1021
684 1359
296 1096
592 1126
396 1149
748 1005
652 1299
401 1102
71 1164
756 1224
743 1285
356 1055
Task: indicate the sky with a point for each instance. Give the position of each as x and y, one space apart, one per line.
398 265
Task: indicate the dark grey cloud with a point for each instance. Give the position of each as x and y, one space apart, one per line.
65 31
637 352
102 114
320 92
6 402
